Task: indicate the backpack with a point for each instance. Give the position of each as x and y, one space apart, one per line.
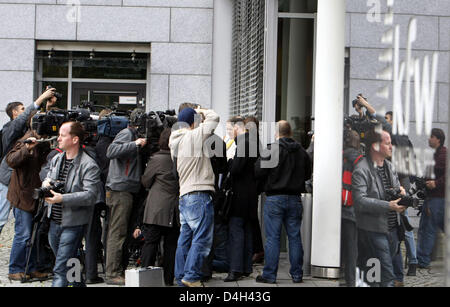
112 125
347 172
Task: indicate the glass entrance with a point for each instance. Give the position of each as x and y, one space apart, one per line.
295 75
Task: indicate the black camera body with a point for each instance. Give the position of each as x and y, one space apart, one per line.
406 201
48 123
56 186
56 94
360 125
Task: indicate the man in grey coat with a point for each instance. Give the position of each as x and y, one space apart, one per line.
124 180
376 215
70 211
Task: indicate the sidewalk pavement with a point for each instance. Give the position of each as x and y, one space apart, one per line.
433 277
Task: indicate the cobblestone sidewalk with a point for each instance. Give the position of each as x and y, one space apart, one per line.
433 277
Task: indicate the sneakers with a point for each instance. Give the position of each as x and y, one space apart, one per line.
412 270
192 284
117 281
261 279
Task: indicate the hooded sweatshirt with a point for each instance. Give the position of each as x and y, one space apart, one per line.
289 175
193 166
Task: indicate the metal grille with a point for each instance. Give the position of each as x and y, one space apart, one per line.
248 58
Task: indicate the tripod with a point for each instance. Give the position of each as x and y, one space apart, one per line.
37 221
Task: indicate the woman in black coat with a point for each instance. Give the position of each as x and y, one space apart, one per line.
244 205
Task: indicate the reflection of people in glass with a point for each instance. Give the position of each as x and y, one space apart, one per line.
432 216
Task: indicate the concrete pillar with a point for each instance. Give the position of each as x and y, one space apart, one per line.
329 99
222 60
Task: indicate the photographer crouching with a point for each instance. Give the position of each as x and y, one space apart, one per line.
70 212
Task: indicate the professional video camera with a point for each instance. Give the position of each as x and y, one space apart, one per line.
151 125
360 125
43 192
407 201
48 123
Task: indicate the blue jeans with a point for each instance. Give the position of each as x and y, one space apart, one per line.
4 206
431 219
240 245
19 250
384 247
196 236
64 242
282 210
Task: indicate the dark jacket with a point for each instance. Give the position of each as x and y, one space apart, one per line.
371 208
244 184
11 132
162 200
25 176
440 157
103 162
290 173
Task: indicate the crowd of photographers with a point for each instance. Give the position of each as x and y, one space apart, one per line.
164 190
376 197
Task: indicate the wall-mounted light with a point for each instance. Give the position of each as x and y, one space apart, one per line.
51 53
92 54
133 56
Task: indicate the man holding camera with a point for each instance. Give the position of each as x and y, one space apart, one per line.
196 178
376 214
124 180
25 158
71 210
11 132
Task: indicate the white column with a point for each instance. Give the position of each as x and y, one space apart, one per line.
329 99
221 60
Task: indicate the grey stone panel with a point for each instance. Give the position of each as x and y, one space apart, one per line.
420 7
10 89
364 63
192 59
17 54
17 20
348 18
159 92
29 1
123 24
369 34
195 89
444 33
92 2
444 101
170 3
56 22
191 25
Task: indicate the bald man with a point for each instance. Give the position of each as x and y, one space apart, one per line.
284 184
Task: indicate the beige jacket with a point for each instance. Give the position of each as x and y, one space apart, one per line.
193 165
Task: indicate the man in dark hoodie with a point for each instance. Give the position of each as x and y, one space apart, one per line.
284 184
